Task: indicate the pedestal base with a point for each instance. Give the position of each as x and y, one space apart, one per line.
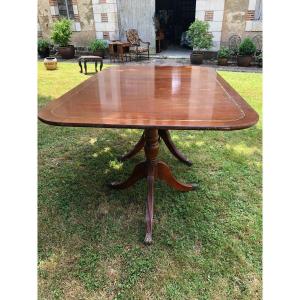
152 169
166 137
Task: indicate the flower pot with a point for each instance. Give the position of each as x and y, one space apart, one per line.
50 63
67 52
100 53
45 52
222 61
196 58
244 61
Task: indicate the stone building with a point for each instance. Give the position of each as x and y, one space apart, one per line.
109 19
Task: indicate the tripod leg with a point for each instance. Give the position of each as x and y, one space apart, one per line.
165 135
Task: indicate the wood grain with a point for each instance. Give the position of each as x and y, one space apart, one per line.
162 97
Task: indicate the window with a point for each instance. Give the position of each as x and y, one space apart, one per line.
65 8
258 10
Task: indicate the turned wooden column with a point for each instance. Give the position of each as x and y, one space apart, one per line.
151 169
166 137
151 149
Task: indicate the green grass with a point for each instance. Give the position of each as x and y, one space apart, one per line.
208 243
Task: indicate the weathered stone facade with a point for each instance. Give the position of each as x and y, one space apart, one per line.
109 19
212 11
239 19
83 25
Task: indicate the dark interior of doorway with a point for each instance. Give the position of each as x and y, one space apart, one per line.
172 20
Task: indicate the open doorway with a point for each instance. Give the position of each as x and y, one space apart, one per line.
172 20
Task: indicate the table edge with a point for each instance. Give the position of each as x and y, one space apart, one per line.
250 119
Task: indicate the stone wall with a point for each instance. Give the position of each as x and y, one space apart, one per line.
106 19
109 19
83 23
212 11
44 18
87 25
239 19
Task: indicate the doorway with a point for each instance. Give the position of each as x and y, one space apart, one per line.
172 20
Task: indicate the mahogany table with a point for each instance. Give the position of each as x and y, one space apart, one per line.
156 99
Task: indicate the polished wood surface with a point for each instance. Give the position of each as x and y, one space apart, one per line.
163 97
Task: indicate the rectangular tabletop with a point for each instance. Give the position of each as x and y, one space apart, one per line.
180 97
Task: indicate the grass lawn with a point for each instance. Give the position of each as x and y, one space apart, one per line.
207 243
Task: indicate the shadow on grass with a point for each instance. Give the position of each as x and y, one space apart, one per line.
83 173
78 210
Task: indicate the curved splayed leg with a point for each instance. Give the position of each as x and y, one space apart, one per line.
164 173
138 173
165 135
137 148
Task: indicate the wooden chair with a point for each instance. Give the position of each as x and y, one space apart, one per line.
135 44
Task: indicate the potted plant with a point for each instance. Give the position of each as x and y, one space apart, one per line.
200 39
246 51
98 47
61 35
43 48
223 55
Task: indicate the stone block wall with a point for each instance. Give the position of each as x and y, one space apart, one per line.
83 23
212 11
109 19
106 19
239 18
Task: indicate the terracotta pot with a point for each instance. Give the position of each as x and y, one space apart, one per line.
244 61
222 61
196 58
50 63
67 52
44 52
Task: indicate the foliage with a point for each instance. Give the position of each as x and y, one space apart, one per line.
98 45
234 51
199 36
43 44
224 52
247 47
61 32
207 243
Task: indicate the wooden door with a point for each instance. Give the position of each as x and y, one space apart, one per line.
138 15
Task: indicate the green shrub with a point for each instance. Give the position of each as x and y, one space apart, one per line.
98 45
199 36
43 44
223 52
247 47
61 32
